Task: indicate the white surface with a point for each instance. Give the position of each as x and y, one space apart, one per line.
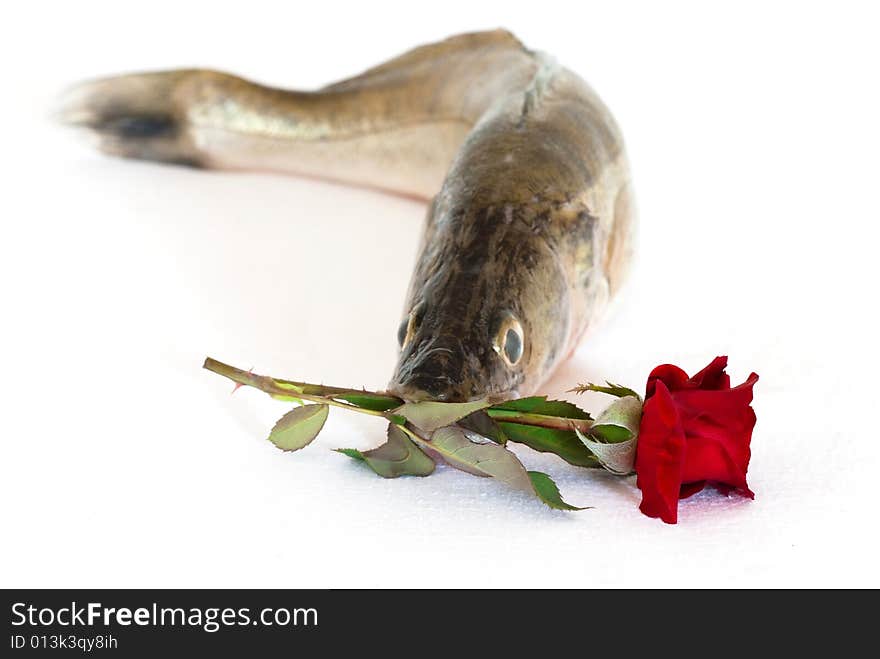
754 138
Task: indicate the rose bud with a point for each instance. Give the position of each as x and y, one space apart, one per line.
693 431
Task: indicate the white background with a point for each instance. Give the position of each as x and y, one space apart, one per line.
753 133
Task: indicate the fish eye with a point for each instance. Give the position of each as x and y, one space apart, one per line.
512 346
509 341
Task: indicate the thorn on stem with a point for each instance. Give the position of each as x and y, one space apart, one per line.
239 385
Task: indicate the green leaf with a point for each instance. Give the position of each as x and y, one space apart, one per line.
495 461
610 434
563 443
482 424
540 405
612 389
480 459
370 401
287 399
614 435
399 456
548 491
619 422
617 458
291 397
299 427
430 415
352 453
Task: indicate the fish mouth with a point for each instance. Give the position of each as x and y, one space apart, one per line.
434 369
421 389
443 372
444 390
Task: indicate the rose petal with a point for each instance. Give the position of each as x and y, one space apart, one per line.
709 460
690 489
712 377
694 431
672 376
660 456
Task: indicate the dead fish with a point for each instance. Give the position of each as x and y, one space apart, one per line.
530 224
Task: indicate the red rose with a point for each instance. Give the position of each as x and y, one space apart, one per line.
693 431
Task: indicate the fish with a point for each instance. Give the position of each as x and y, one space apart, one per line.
530 225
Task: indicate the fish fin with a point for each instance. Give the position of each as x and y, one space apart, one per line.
132 116
428 55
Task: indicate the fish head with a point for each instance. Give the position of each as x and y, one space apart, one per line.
487 315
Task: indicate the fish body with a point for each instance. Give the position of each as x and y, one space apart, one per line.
530 223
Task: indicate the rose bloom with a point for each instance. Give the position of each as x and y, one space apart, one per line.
693 431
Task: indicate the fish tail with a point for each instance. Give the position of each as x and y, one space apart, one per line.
133 116
396 126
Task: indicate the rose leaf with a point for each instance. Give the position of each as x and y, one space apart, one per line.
548 491
430 415
619 422
399 456
540 405
563 443
299 427
484 425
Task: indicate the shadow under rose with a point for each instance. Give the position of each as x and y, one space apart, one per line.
708 505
